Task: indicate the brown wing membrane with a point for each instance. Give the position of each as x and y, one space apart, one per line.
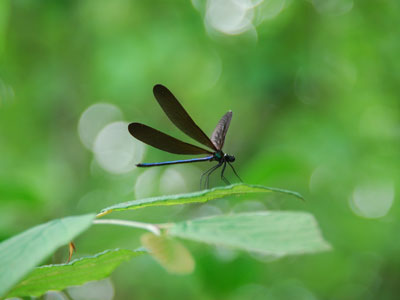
163 141
178 115
218 136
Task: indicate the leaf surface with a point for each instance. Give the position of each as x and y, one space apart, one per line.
270 233
21 253
197 197
77 272
170 253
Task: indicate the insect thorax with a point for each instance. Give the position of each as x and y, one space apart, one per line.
218 155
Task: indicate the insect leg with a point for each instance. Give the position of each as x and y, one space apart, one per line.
235 172
208 175
205 173
222 174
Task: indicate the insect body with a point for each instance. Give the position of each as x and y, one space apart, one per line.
178 115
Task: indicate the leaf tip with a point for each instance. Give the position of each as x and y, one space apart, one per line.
103 213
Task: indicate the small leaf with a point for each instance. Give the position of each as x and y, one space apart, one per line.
77 272
171 254
21 253
201 196
271 233
71 251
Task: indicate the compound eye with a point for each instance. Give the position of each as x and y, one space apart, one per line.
232 158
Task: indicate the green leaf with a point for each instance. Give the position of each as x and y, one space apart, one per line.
77 272
21 253
170 253
201 196
270 233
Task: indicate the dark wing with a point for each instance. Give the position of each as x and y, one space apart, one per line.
178 115
163 141
218 136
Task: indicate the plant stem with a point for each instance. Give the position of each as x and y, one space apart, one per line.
150 227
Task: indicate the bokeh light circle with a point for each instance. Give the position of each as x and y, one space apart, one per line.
229 16
93 119
147 183
116 150
101 290
373 200
333 7
173 181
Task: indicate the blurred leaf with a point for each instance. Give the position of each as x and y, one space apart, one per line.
171 254
276 233
14 190
21 253
201 196
77 272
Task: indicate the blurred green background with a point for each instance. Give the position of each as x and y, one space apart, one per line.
314 88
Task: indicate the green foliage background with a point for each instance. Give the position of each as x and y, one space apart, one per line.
316 109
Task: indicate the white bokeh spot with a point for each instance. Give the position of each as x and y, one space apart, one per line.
229 16
172 181
333 7
115 149
146 182
93 290
93 119
373 200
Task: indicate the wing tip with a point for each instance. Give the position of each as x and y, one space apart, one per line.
229 113
133 126
158 88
